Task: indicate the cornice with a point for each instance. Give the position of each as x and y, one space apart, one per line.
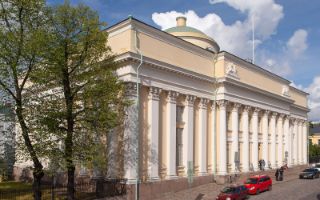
236 83
133 57
300 107
249 65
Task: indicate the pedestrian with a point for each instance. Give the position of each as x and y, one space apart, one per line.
260 165
281 174
263 163
277 174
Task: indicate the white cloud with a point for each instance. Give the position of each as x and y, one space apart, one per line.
237 37
297 44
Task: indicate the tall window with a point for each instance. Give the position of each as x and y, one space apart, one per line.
179 136
179 146
180 114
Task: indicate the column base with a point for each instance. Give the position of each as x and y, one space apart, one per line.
171 177
202 173
131 181
154 179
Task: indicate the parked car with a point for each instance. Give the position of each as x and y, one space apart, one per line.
235 192
317 166
309 173
258 183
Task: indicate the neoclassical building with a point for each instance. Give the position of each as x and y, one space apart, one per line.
200 108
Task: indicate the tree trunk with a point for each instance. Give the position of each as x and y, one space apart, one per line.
71 186
36 186
38 168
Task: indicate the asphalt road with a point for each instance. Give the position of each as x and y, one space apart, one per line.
297 189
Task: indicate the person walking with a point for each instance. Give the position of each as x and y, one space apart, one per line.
277 174
281 174
263 163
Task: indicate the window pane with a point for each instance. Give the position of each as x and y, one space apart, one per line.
179 146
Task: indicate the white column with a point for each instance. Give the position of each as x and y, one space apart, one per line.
188 119
273 140
265 140
286 132
305 143
130 135
235 135
280 139
245 139
295 142
213 138
153 133
290 146
223 137
202 132
171 134
255 147
300 138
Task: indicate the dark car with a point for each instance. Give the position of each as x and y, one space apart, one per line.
234 192
309 173
258 183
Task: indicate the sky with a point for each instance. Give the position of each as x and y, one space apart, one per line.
287 32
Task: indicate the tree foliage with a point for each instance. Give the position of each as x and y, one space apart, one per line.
80 98
22 38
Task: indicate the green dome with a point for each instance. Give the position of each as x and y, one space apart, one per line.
183 29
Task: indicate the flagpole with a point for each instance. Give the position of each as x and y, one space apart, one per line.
253 38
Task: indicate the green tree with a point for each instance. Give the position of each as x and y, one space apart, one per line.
22 38
81 96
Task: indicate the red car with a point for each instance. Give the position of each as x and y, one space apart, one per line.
234 192
258 183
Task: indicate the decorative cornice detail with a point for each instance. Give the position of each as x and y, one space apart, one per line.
130 89
172 96
231 70
236 107
222 104
190 100
154 93
246 108
203 104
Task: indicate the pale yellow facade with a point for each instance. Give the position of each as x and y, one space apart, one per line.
233 112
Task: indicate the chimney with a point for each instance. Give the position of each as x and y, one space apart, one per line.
181 21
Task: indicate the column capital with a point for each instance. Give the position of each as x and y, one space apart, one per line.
190 100
266 112
222 104
203 103
172 96
256 111
236 107
130 89
154 93
281 116
247 108
274 114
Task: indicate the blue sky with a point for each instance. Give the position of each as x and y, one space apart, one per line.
287 31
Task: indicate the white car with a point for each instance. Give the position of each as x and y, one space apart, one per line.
317 166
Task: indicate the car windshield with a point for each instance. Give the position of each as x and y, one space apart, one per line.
251 181
308 170
228 190
317 166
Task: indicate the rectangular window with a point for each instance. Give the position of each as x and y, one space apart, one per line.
179 146
179 114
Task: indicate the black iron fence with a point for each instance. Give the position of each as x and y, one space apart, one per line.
83 190
314 159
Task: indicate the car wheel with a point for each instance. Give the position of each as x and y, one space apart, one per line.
258 191
269 188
